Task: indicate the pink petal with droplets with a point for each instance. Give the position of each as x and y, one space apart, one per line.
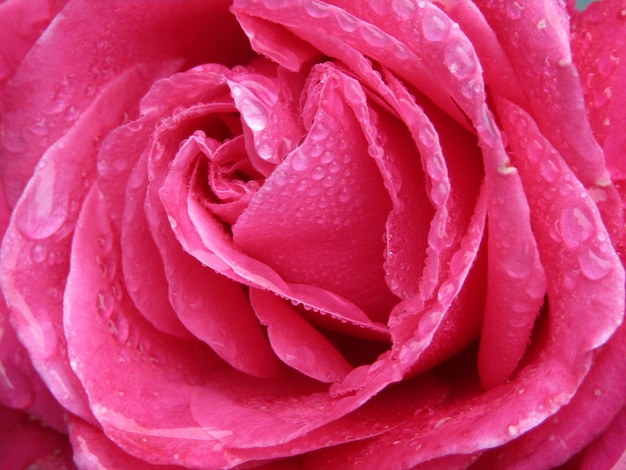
499 73
330 234
143 266
86 46
516 280
317 22
296 342
427 333
41 226
214 308
599 50
556 95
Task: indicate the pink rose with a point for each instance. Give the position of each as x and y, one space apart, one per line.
296 234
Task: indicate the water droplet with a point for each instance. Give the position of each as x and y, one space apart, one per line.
459 58
593 263
373 36
427 136
435 25
43 213
514 10
254 113
576 224
319 132
317 9
347 22
446 293
265 150
549 169
404 8
38 253
344 195
120 328
299 161
436 167
105 304
535 148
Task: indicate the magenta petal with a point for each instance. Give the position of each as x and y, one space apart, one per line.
609 450
28 443
516 280
110 348
556 96
21 23
86 46
41 226
599 48
296 342
427 333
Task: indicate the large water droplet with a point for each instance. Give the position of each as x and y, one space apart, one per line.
435 25
43 214
549 169
594 263
316 8
254 113
404 8
459 58
299 161
373 36
576 224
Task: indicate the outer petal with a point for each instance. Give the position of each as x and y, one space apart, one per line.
555 93
29 443
599 49
88 44
41 228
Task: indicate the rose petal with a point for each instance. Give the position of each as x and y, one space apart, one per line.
28 443
316 22
609 449
555 94
41 226
598 48
142 264
214 308
89 44
516 280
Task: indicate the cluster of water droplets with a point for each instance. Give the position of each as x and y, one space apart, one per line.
577 226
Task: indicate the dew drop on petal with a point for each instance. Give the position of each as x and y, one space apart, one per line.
435 25
299 161
459 59
593 263
576 226
254 114
404 8
549 169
